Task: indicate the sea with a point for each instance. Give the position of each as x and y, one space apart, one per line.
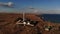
55 18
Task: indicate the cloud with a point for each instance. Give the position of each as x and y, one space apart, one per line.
30 9
54 11
41 11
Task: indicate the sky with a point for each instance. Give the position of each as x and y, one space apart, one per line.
40 6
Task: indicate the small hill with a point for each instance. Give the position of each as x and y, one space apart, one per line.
8 25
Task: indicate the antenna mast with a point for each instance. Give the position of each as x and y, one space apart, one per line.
23 16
